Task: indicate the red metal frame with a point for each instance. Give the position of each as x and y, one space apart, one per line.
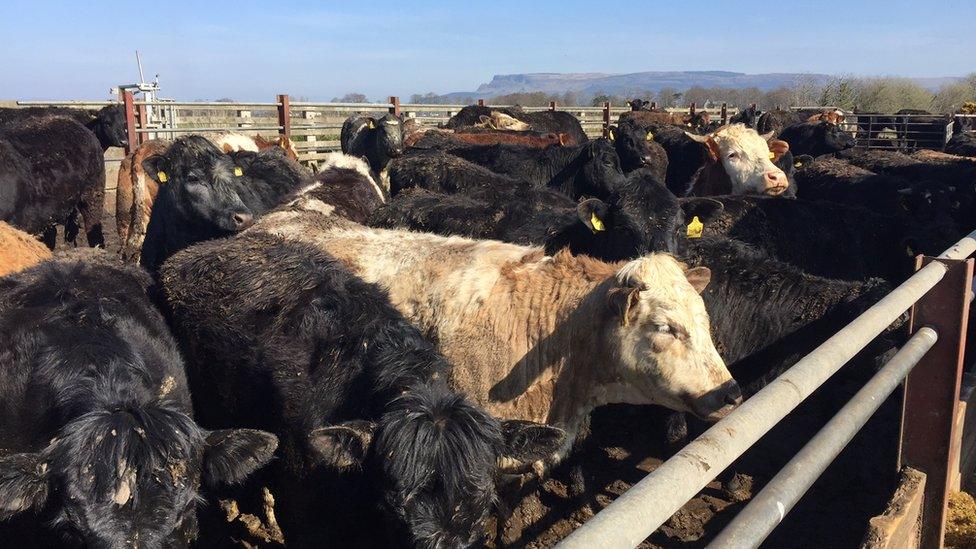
284 115
395 108
130 122
931 394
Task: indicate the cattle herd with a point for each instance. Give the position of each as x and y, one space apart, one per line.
374 354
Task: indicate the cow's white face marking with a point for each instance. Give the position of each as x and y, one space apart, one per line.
664 343
746 158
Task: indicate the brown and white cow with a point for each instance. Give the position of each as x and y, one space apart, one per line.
739 161
532 337
19 250
134 197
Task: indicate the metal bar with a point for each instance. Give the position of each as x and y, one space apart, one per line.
210 129
649 503
768 508
143 117
130 123
928 424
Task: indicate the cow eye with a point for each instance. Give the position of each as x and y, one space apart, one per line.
663 329
733 155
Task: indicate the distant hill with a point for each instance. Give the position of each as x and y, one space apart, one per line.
589 84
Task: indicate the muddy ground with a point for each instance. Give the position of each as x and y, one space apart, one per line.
627 442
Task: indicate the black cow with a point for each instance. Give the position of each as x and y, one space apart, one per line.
265 178
776 120
685 157
590 169
100 448
816 138
199 199
107 123
378 140
824 238
542 121
443 172
51 172
962 144
641 216
280 336
748 116
833 179
637 149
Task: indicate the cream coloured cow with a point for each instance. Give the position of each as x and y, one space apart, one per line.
538 338
739 162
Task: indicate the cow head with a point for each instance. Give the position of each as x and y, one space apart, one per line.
203 183
635 147
129 478
389 135
832 138
659 334
434 459
637 104
746 159
596 170
109 127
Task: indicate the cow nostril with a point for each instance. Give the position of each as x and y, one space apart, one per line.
733 396
242 219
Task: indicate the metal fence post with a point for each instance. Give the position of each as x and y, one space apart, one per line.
284 115
931 395
130 122
725 113
394 105
606 119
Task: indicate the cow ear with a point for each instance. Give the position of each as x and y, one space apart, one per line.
709 143
612 133
623 302
341 446
155 167
23 484
527 441
698 277
778 147
593 213
231 455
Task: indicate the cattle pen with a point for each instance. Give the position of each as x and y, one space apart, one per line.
931 365
937 450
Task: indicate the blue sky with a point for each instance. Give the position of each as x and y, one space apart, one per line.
253 50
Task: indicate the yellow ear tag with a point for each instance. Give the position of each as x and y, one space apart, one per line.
371 125
695 228
611 136
650 137
238 171
597 223
909 251
772 155
798 164
161 176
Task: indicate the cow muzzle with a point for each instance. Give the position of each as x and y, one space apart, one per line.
775 183
717 403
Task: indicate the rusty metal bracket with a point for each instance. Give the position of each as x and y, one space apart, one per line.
931 394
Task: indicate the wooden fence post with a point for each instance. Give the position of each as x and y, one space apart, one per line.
130 122
394 105
691 109
606 119
725 113
284 115
552 105
931 393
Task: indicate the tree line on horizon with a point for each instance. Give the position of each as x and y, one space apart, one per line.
878 94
